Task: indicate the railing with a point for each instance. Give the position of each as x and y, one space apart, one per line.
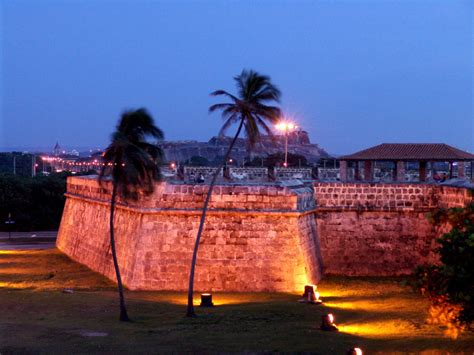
290 173
328 174
248 173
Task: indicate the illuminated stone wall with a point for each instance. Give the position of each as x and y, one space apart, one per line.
257 238
379 229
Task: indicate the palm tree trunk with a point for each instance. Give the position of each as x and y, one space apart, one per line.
190 310
123 309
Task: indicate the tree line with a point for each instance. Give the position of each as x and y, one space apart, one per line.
33 203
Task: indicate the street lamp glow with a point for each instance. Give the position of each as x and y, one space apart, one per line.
281 126
286 126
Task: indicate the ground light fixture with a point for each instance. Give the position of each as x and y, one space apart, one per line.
206 300
309 289
317 299
327 323
354 351
310 295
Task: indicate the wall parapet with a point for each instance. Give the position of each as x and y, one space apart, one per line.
278 197
388 197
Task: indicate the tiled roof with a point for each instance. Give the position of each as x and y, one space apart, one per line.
411 151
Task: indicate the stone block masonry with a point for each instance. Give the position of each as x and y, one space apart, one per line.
256 238
380 229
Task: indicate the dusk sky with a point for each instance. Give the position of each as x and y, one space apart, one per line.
352 73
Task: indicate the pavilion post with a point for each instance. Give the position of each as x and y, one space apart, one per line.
356 171
450 169
422 171
400 171
460 169
343 170
368 170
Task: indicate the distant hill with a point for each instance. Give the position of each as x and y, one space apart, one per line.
298 143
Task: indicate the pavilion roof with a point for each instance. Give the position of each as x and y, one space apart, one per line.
411 151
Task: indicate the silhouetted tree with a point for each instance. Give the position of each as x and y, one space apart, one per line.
250 110
133 165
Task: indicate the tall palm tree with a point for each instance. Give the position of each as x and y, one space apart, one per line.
250 110
133 165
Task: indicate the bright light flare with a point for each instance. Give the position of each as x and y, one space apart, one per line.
331 318
285 126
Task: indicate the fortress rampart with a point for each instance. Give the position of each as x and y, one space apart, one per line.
256 238
380 229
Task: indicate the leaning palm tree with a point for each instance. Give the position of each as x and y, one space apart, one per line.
250 110
133 165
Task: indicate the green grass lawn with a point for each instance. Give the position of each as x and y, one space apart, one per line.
378 315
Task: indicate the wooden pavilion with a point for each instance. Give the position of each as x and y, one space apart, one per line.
395 157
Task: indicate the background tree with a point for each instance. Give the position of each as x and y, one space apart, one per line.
250 110
35 203
133 165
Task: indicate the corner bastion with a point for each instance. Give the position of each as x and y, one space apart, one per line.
256 238
266 237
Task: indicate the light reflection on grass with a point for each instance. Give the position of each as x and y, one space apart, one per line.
380 329
375 314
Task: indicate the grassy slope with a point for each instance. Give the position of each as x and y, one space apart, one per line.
374 314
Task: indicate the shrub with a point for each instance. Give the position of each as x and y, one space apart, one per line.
450 284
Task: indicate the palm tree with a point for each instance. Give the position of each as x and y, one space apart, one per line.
251 111
133 165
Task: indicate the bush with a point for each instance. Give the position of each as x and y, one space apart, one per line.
450 285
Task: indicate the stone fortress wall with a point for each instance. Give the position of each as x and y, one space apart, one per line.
257 238
265 237
380 229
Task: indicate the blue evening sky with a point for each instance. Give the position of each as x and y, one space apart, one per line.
352 73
